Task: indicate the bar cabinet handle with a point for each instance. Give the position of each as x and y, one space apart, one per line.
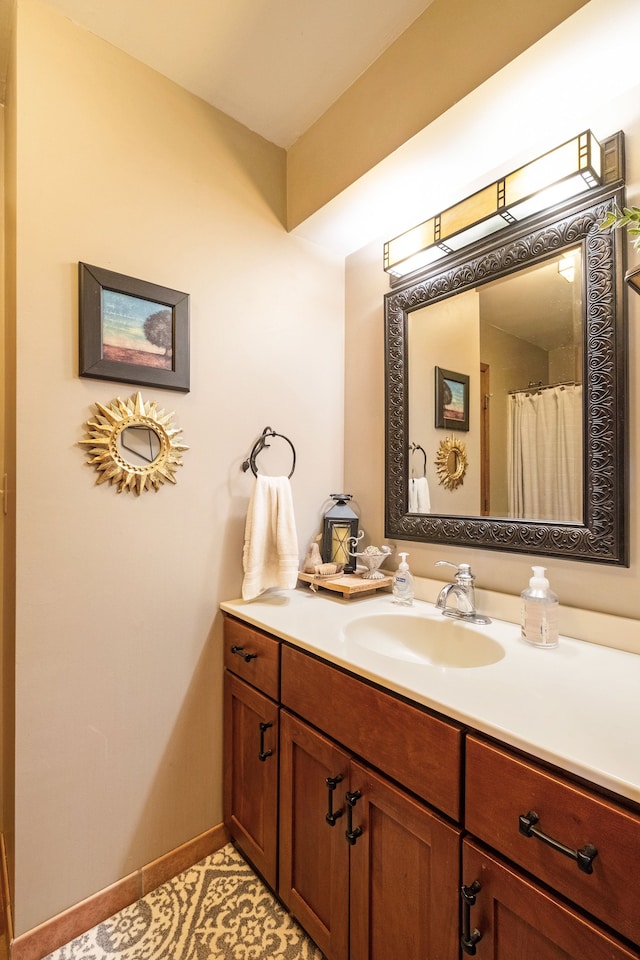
469 937
352 833
263 754
239 651
332 815
584 857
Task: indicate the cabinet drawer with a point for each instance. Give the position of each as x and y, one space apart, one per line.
501 787
262 669
420 751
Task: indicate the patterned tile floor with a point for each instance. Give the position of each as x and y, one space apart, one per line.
217 910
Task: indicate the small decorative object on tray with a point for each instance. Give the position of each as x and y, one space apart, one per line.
371 558
333 576
328 569
313 557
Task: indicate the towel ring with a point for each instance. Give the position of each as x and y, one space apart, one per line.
259 446
414 447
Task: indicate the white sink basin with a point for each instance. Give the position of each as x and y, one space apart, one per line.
438 643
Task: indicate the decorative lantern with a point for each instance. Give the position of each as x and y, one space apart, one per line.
340 524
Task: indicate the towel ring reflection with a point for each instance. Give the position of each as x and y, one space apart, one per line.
259 446
413 448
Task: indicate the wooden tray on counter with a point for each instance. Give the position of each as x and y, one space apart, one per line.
348 584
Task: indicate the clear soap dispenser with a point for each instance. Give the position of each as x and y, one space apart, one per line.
403 583
539 612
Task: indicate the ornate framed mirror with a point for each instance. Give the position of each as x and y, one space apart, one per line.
439 320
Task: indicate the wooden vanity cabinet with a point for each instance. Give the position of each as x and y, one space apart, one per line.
568 839
368 869
348 800
251 744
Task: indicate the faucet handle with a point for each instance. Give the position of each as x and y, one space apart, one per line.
463 570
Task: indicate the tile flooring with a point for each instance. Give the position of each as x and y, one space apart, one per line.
216 910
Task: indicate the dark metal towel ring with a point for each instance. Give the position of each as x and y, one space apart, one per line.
414 447
259 446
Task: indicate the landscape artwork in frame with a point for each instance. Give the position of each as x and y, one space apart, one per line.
132 331
452 400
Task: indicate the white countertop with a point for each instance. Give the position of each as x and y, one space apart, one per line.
577 705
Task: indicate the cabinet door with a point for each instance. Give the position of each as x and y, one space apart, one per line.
404 875
516 918
251 774
314 855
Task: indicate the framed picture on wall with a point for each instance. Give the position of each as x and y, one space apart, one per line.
132 331
452 399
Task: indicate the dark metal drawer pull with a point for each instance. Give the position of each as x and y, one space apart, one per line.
469 937
239 651
332 816
584 857
352 833
264 753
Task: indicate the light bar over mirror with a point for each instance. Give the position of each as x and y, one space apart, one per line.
562 173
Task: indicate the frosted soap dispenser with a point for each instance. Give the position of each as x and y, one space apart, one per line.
539 612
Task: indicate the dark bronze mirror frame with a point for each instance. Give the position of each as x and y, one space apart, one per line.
602 538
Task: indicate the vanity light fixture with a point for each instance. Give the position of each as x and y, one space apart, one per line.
567 170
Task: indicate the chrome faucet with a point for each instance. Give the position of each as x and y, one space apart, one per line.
463 590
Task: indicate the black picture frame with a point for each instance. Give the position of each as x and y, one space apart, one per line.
117 340
452 400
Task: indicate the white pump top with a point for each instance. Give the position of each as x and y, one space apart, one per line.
538 580
403 565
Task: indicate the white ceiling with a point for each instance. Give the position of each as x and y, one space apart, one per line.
274 65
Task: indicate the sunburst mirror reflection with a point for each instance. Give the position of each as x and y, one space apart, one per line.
451 462
134 445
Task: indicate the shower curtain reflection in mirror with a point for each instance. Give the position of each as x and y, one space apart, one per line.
545 454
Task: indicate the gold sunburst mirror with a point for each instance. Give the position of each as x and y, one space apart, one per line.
451 462
134 445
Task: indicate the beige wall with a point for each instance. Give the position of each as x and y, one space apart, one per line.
448 51
446 336
118 648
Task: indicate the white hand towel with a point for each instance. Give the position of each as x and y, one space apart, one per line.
419 497
270 553
413 496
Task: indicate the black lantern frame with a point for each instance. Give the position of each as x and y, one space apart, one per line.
339 530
